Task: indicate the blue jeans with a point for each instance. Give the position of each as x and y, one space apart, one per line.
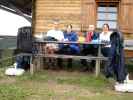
23 62
106 51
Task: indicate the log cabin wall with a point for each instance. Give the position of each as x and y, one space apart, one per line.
66 11
126 18
88 13
80 13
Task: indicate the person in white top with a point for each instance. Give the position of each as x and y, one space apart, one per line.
57 35
105 37
55 32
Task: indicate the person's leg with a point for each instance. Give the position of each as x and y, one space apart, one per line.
108 64
84 52
59 60
121 71
94 52
69 64
49 50
53 60
19 61
72 51
89 50
69 61
106 52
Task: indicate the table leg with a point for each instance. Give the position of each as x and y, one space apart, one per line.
97 70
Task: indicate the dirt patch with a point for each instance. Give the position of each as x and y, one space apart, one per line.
61 89
7 80
64 73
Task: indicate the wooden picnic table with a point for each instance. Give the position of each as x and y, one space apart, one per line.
39 52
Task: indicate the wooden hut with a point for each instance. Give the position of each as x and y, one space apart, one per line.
81 13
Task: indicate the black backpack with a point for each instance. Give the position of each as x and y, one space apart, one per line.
24 39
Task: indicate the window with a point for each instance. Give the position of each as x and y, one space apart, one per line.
107 14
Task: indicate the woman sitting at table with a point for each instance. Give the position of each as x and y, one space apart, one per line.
69 49
106 49
105 38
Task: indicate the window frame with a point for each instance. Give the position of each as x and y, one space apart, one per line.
107 4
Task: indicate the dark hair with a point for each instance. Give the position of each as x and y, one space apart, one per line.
106 25
69 25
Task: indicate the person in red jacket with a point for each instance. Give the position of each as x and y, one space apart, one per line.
89 49
91 34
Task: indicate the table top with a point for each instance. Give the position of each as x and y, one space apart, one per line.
69 42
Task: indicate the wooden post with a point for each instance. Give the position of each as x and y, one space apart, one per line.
31 65
97 67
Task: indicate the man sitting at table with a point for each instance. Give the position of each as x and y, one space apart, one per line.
69 49
56 34
53 34
90 49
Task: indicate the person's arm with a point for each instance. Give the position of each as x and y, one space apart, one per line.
95 36
88 37
74 37
62 37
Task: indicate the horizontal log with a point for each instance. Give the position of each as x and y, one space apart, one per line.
60 17
71 56
58 1
56 12
58 5
58 8
45 29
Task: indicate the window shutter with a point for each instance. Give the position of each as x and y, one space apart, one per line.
88 14
126 16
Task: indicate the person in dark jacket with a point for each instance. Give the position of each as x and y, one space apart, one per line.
116 65
24 45
69 49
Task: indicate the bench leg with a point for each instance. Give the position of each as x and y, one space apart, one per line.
31 66
39 63
34 64
97 68
31 69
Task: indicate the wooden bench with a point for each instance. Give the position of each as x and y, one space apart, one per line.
40 53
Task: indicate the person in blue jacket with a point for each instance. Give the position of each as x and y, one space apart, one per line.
69 49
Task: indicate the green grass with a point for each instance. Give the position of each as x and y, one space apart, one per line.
58 85
5 54
62 85
12 92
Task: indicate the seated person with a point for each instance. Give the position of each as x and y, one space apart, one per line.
56 34
105 37
69 49
106 49
90 49
53 35
90 35
81 37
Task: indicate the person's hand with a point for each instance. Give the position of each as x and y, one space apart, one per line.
66 40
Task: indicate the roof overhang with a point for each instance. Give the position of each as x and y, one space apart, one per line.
19 7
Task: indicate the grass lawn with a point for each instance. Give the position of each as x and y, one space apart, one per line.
58 85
